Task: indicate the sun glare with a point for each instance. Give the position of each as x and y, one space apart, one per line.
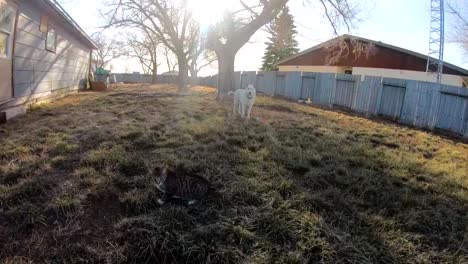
208 12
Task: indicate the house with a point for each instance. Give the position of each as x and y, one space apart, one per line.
44 54
383 60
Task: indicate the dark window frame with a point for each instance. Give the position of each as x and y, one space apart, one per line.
7 44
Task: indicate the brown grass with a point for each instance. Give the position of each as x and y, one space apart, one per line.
295 185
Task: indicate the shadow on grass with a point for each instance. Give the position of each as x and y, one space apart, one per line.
375 209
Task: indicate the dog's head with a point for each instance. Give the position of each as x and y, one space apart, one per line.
250 91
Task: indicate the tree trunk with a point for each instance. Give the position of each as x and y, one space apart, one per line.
226 72
193 76
154 77
183 74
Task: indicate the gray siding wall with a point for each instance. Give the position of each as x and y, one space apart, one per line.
38 72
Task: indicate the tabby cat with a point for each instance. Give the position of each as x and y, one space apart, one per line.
187 188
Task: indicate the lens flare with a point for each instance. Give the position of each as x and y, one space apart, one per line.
209 12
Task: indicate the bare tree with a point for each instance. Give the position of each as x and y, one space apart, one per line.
458 33
235 29
170 62
145 51
237 26
108 50
199 60
137 49
347 47
170 21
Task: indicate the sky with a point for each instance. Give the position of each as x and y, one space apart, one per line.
402 23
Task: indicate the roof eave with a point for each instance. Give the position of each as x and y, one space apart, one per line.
413 53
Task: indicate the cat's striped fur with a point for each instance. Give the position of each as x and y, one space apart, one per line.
184 187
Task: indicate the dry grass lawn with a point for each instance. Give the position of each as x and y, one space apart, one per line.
297 185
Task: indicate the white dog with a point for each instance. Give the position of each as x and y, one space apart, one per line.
244 100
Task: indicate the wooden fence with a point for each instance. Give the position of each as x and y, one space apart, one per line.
415 103
143 78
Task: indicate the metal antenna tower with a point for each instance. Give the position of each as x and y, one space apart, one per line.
435 58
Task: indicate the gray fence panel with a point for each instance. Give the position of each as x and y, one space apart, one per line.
244 81
268 83
344 94
324 89
248 77
293 85
213 81
435 105
366 95
463 91
452 113
457 91
347 77
466 122
408 111
280 84
391 101
260 83
309 82
394 82
167 79
307 89
376 92
423 107
361 96
204 81
237 80
119 77
146 78
427 104
137 78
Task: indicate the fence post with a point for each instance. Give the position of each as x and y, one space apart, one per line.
331 98
357 84
248 77
379 97
435 106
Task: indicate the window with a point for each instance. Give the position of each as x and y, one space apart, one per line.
7 18
3 43
7 14
348 71
51 40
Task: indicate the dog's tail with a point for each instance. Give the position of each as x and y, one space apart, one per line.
231 93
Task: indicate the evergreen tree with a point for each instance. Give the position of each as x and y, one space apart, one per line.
282 43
